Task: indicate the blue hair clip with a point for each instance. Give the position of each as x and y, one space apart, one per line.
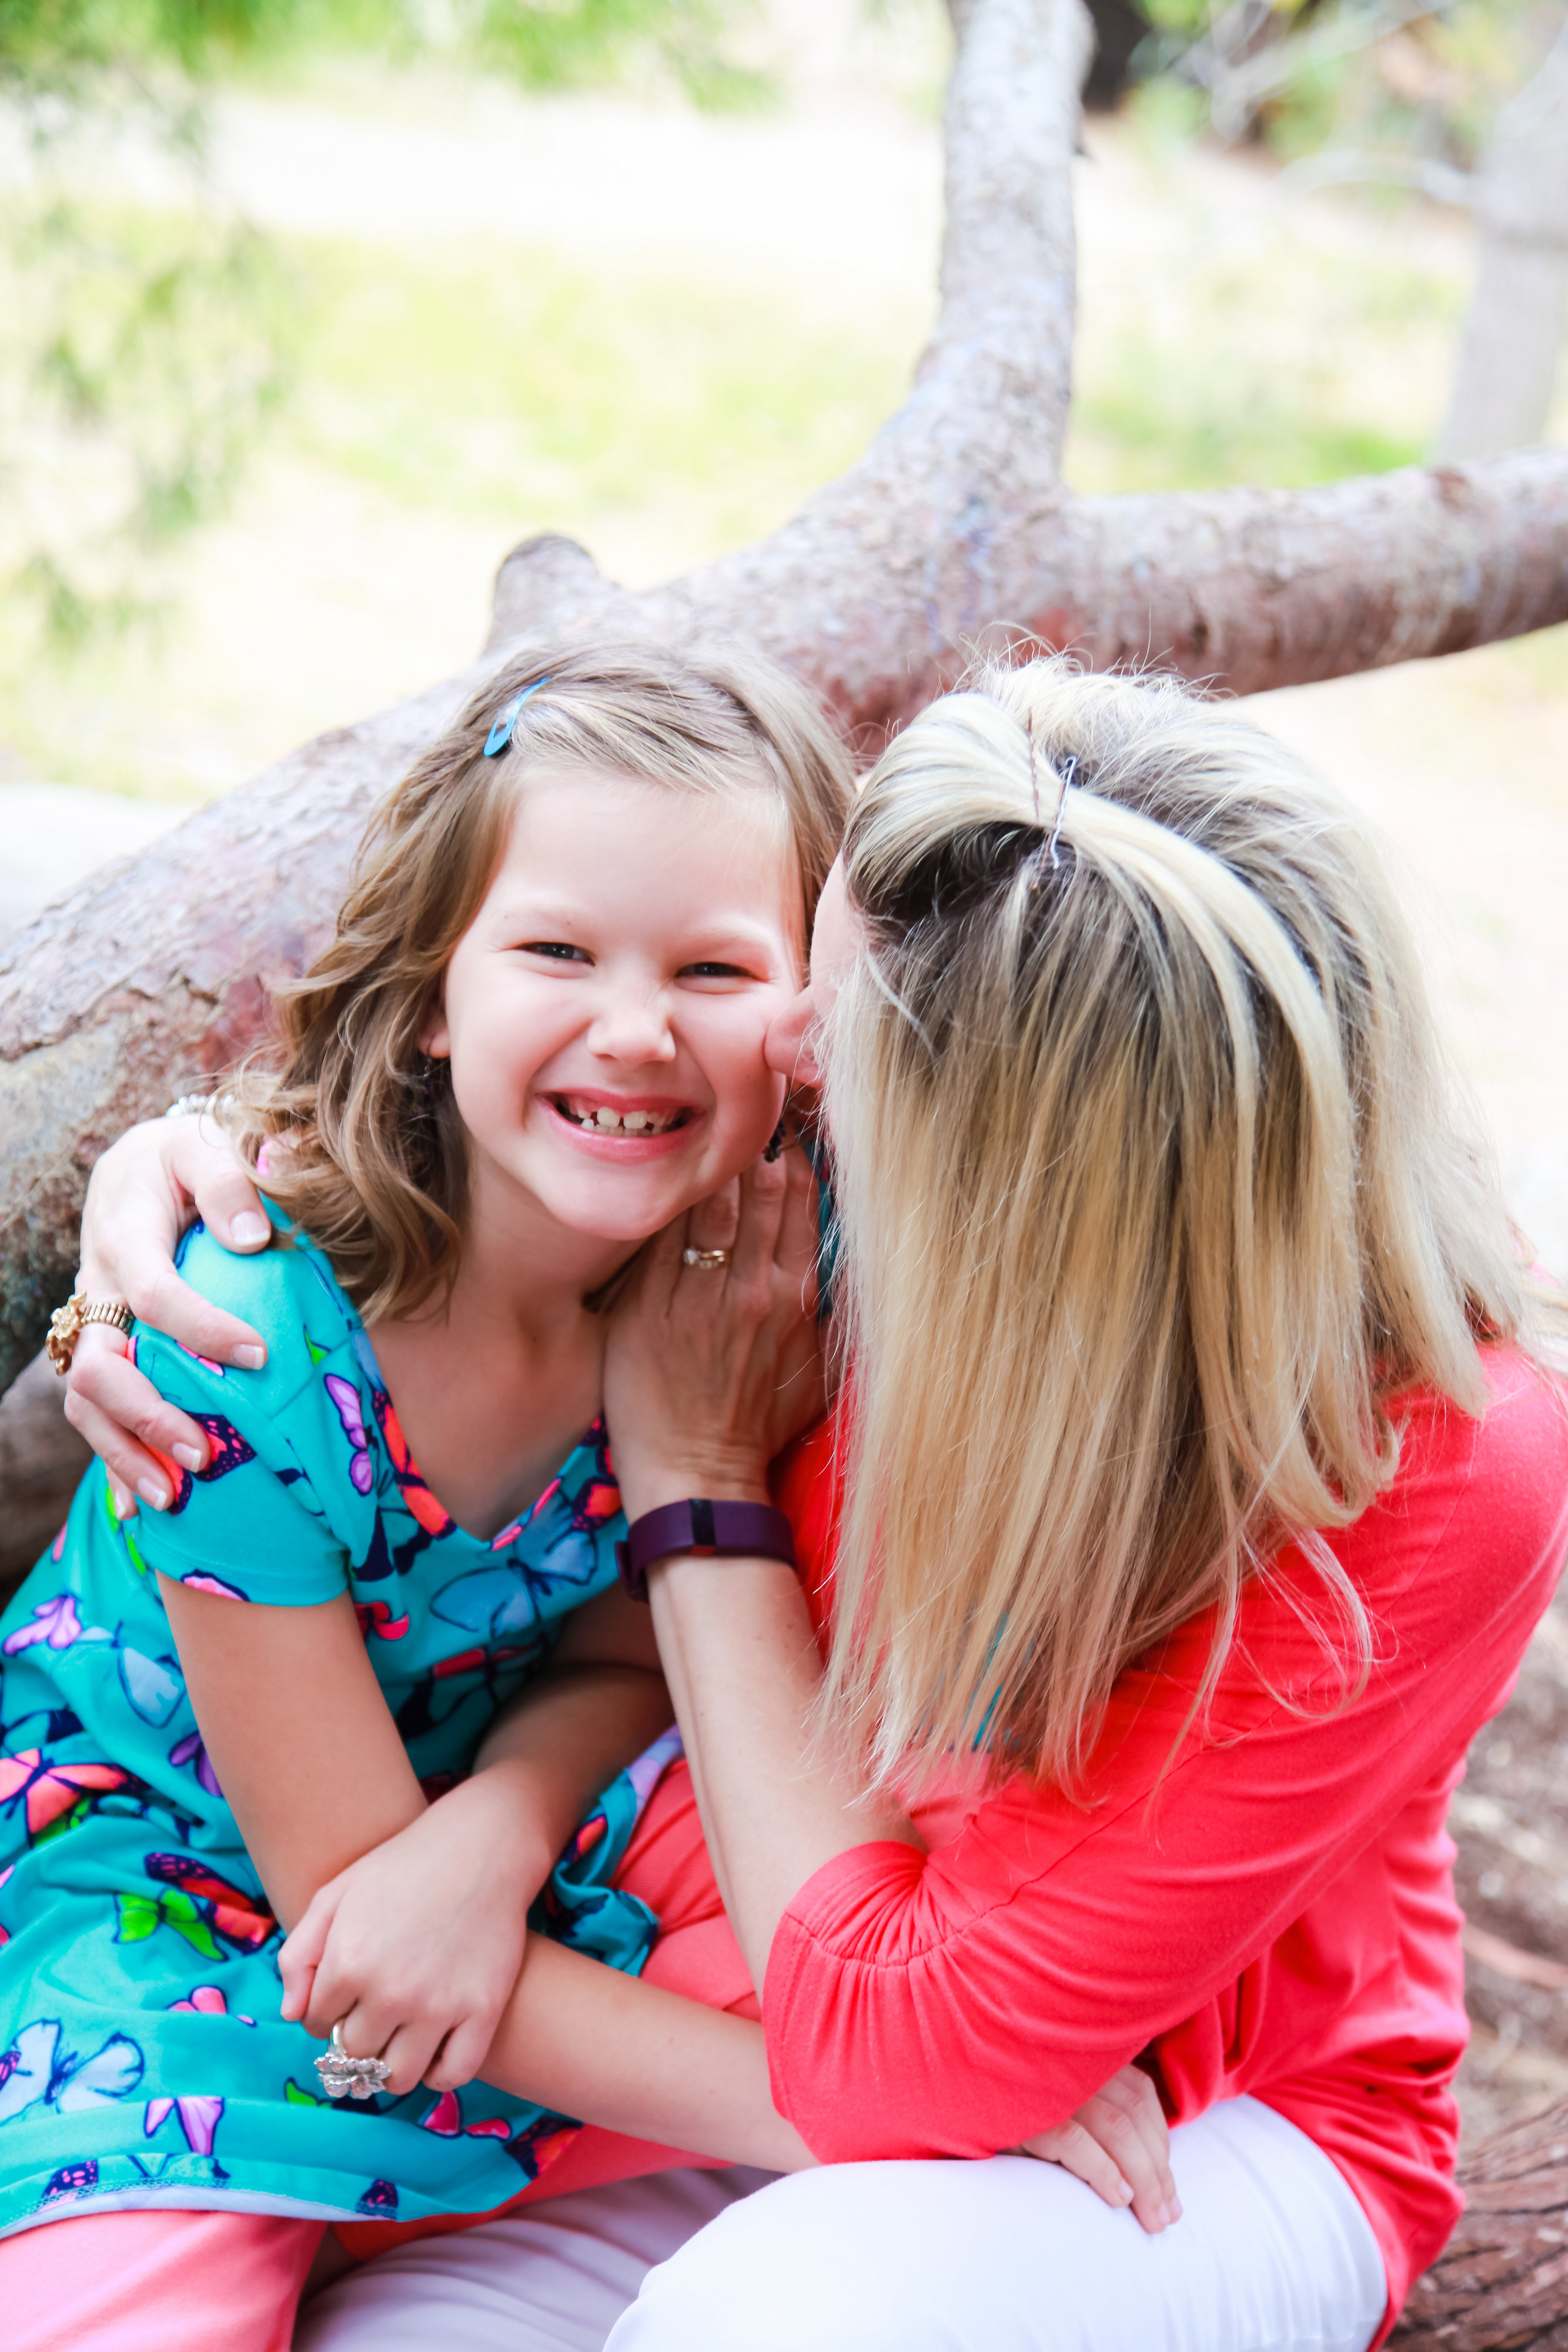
499 738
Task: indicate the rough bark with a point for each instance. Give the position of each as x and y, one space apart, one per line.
1513 334
1501 2283
41 1460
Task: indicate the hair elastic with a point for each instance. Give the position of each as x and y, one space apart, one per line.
1068 770
499 738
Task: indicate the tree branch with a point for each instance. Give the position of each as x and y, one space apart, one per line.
550 582
1251 589
152 976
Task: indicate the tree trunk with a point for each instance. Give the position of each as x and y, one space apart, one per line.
41 1461
1502 2282
1513 335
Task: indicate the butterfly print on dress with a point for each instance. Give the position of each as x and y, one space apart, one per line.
346 1403
229 1452
37 2068
50 1792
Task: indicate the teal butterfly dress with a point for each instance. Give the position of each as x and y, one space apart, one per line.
142 2061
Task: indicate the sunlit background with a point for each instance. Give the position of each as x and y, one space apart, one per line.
274 402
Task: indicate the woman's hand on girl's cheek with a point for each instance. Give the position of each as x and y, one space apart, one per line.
710 1372
416 1947
1119 2144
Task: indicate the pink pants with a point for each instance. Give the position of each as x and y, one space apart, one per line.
162 2281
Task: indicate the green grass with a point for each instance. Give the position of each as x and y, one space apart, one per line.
497 381
1290 366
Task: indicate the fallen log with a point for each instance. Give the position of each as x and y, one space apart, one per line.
1501 2283
41 1462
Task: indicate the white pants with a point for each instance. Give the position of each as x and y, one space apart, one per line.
1272 2254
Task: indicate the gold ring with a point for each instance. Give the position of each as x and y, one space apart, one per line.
709 1260
67 1323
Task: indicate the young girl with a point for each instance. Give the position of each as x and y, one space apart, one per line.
536 1039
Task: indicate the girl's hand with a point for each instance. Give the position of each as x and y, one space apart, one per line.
710 1373
144 1192
417 1947
1120 2143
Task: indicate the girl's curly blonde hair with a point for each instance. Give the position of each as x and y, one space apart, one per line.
367 1150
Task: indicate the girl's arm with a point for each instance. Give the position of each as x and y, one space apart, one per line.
419 1942
599 1702
316 1774
299 1734
589 2042
312 1765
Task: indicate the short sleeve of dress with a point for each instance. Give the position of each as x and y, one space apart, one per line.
255 1524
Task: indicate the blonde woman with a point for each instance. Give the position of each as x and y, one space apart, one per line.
1194 1488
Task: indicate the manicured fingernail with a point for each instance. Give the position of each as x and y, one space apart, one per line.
153 1492
1124 2190
188 1458
1174 2208
248 1360
248 1228
123 1505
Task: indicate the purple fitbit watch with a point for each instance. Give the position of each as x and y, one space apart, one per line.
696 1525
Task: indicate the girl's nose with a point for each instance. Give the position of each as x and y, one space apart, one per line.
632 1027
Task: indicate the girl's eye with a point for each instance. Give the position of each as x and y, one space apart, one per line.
558 950
712 971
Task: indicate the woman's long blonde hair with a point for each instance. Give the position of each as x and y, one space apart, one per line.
1151 1198
375 1167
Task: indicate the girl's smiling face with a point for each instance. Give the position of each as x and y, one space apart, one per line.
605 1011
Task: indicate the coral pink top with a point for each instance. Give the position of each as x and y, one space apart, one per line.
1276 1917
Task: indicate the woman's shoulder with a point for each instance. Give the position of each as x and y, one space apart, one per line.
1509 1463
1472 1528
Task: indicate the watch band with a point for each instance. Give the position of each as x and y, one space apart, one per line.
706 1528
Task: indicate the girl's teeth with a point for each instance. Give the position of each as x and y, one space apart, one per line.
606 1121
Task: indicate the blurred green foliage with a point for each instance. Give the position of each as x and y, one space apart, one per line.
66 45
146 349
1388 79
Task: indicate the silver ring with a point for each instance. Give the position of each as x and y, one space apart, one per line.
343 2077
709 1260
